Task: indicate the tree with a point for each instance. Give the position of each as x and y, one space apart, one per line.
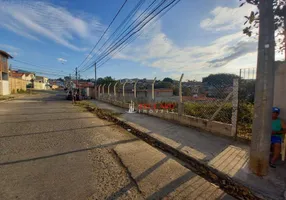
247 91
186 91
105 80
163 84
176 91
167 79
279 10
221 79
67 78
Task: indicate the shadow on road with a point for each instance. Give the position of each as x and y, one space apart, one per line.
68 152
63 130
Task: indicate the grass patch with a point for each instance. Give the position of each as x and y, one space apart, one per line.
92 108
206 110
2 98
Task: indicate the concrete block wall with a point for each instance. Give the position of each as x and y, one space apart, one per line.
215 127
4 89
280 88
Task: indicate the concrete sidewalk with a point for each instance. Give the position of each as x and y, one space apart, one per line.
225 155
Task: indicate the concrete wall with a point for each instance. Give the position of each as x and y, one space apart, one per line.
4 89
162 93
39 86
186 120
90 92
280 88
17 84
215 127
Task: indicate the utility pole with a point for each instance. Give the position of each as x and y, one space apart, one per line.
284 10
264 90
76 77
95 85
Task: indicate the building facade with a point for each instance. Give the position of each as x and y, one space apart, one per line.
41 83
4 73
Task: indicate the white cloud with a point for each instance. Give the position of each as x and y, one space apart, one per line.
62 60
9 47
13 51
34 20
225 18
159 51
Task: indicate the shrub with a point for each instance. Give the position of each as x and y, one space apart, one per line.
206 110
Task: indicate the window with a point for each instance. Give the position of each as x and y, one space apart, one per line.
4 76
4 59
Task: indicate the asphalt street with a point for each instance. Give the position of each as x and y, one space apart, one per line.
51 149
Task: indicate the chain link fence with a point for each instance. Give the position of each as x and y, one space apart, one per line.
209 98
212 97
246 102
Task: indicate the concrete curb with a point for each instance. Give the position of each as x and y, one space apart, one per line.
226 183
2 101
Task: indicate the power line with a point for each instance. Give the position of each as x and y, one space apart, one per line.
130 41
123 24
46 73
104 32
27 63
123 47
126 35
115 46
130 26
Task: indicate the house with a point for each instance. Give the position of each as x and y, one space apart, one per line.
41 83
196 87
4 73
29 77
15 74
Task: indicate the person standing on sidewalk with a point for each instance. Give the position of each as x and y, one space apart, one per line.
278 129
74 95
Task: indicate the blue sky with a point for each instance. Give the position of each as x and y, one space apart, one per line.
195 38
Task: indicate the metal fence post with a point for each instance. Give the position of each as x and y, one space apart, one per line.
234 117
180 105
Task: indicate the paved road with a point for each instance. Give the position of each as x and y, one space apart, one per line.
51 149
